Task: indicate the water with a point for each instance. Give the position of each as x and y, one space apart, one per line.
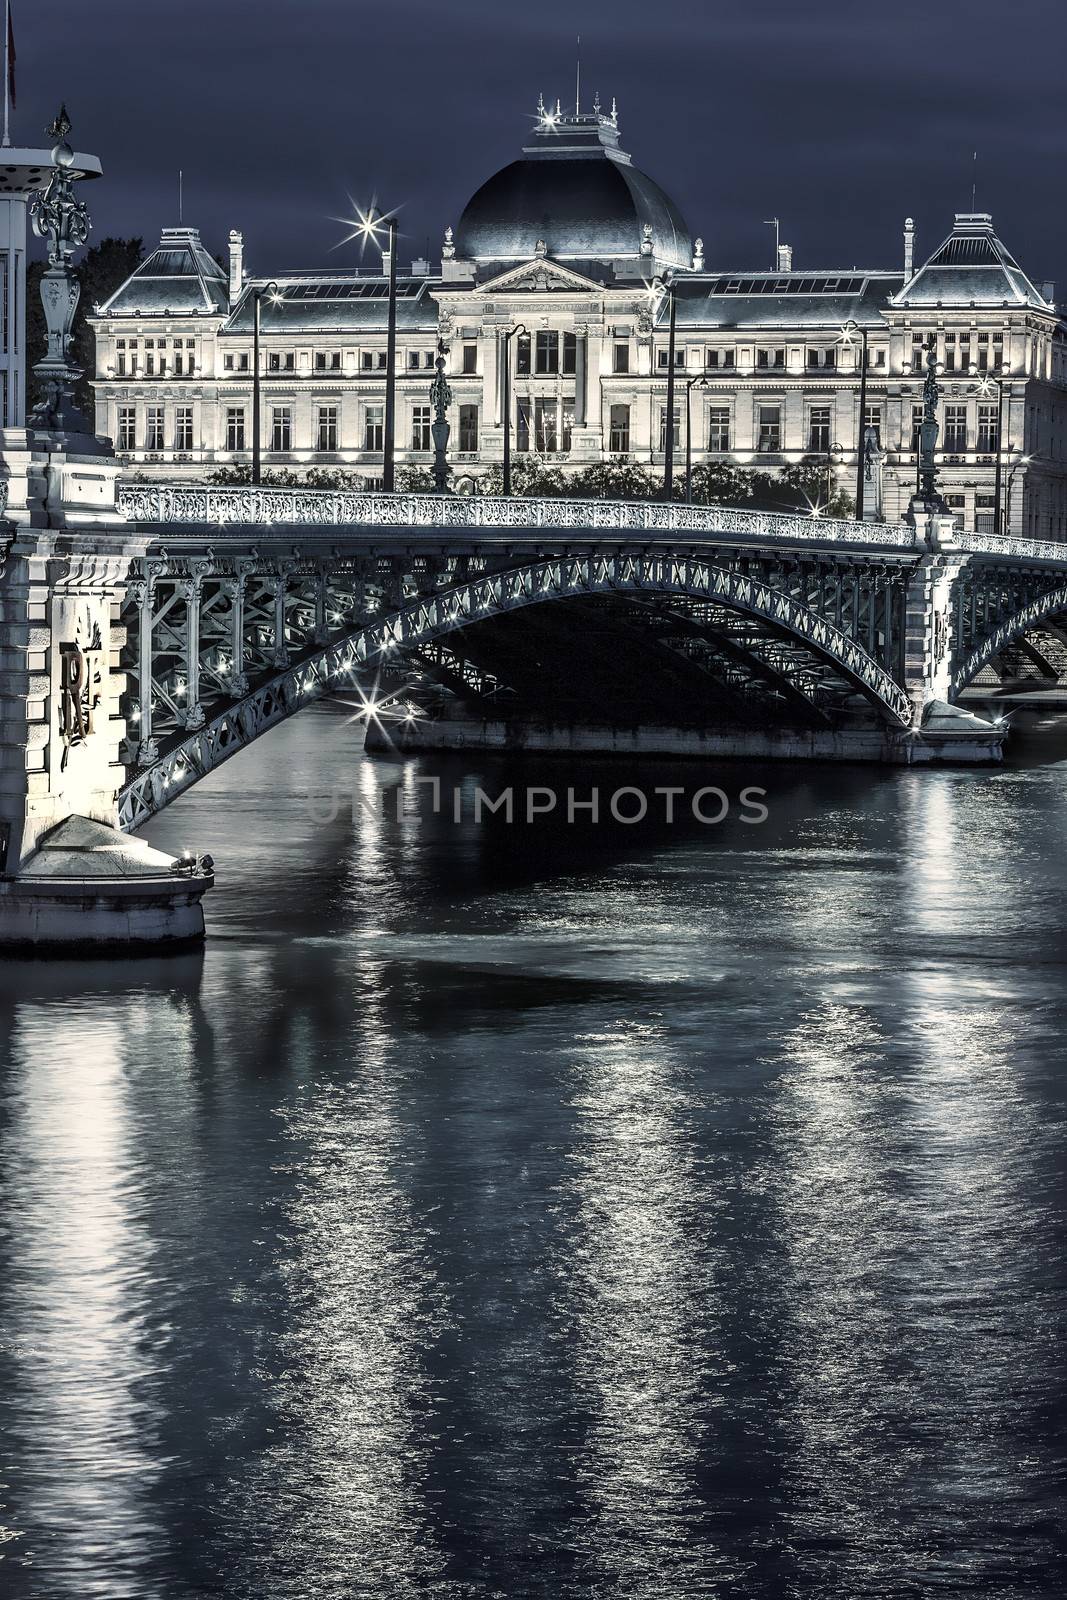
645 1211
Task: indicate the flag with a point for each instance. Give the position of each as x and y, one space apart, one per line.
10 57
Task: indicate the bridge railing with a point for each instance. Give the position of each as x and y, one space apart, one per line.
177 505
996 544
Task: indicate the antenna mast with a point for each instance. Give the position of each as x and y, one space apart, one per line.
578 79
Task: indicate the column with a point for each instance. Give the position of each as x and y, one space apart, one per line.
194 714
281 653
238 676
147 749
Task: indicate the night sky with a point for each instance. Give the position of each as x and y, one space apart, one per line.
839 117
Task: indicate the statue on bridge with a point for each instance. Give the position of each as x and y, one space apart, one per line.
58 216
929 497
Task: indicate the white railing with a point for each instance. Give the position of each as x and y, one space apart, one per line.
997 544
178 505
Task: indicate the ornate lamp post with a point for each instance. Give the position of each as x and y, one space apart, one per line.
440 399
992 383
522 333
369 227
691 384
274 295
662 289
848 337
64 221
929 497
834 452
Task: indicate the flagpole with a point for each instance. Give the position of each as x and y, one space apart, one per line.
7 72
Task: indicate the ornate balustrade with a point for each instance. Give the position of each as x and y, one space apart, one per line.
177 506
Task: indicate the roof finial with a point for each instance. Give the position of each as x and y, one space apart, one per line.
542 110
596 103
559 108
614 111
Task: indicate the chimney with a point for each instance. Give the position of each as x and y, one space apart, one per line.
1048 292
909 249
420 267
237 265
785 258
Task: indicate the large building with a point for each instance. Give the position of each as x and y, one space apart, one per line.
568 242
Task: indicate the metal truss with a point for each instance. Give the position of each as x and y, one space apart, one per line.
434 616
1006 623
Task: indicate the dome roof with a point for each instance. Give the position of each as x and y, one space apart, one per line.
579 193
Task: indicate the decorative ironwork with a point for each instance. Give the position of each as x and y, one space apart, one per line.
217 507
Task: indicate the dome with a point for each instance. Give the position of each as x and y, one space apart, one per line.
576 191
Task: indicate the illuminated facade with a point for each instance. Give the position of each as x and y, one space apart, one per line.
566 241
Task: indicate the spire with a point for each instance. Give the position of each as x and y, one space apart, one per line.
542 110
614 112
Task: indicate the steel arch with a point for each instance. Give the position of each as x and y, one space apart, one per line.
1013 627
492 594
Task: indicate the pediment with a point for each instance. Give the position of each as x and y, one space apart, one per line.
541 276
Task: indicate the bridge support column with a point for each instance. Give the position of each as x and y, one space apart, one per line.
238 676
281 652
194 713
68 877
145 596
945 732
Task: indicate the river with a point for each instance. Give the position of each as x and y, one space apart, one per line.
643 1210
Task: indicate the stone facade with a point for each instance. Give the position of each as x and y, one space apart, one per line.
765 375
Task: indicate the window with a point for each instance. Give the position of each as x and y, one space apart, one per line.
281 361
522 354
120 363
468 428
770 428
547 351
281 433
374 428
916 428
183 428
663 427
179 364
545 425
153 430
470 358
619 433
770 358
872 418
988 428
235 428
522 425
420 427
822 358
568 425
955 428
570 352
327 360
413 360
663 358
819 428
149 365
620 361
327 427
719 428
372 360
985 513
127 428
719 358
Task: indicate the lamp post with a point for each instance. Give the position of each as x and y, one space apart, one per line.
274 295
510 334
369 226
848 335
660 289
987 383
698 383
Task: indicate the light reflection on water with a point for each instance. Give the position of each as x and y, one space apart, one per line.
549 1213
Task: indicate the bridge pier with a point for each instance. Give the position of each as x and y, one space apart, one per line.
68 876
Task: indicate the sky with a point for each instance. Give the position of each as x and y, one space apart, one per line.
839 117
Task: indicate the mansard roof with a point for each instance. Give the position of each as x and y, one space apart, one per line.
179 278
783 300
971 268
336 302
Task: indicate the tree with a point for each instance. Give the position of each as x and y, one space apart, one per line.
101 271
716 483
613 480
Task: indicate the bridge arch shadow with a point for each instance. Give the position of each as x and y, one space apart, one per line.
438 615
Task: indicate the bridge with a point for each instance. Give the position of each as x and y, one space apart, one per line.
146 639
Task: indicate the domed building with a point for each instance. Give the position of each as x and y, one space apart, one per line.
576 195
568 258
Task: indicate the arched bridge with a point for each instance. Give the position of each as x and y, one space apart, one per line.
247 604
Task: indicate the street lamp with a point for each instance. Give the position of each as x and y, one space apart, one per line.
699 383
989 383
274 295
848 339
369 227
510 334
659 290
